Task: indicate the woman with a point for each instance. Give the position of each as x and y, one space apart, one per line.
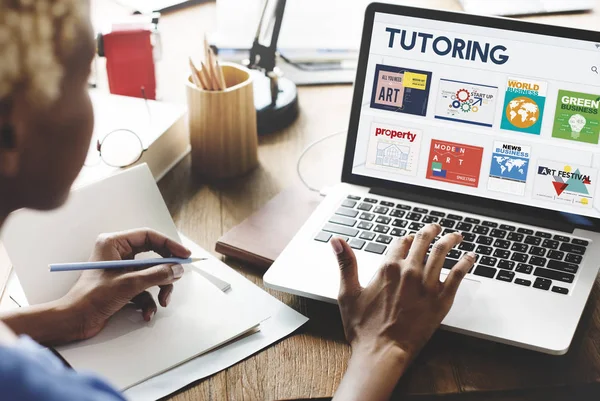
46 120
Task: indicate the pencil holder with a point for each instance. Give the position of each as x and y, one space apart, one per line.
223 126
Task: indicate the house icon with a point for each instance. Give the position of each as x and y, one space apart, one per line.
390 155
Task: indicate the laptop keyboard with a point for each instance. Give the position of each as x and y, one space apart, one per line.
505 252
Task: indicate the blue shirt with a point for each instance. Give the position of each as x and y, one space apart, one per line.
30 372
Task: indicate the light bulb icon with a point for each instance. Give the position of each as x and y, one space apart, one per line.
577 122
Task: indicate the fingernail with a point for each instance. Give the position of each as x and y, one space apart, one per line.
177 271
472 255
168 299
152 314
338 248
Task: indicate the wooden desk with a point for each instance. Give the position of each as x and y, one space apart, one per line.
310 364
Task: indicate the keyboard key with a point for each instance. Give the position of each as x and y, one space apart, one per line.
403 207
447 223
502 244
543 234
430 219
342 237
383 220
485 271
466 246
420 210
488 261
526 231
472 220
323 237
519 257
554 275
336 229
506 264
353 197
367 235
520 281
364 225
560 290
468 237
416 226
398 232
384 239
571 248
371 200
484 250
349 203
496 233
455 217
375 248
515 237
462 226
381 210
448 231
580 242
481 230
550 244
454 254
399 223
356 243
343 211
537 261
501 253
542 283
572 258
524 268
537 251
489 224
482 239
379 228
397 213
561 238
557 255
386 203
365 206
345 221
437 214
563 266
531 240
367 216
519 248
507 227
505 275
414 216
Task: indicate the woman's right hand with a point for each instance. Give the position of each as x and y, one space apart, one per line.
388 322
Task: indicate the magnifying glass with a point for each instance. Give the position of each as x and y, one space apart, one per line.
594 69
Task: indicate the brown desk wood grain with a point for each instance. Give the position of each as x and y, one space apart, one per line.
310 364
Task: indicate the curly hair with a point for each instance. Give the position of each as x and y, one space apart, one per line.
36 37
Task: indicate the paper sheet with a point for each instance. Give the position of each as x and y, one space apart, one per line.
284 321
129 350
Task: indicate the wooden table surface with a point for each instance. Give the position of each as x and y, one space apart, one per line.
310 363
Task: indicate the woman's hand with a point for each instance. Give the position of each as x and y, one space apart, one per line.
388 322
99 294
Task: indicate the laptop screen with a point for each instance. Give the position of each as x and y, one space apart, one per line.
486 112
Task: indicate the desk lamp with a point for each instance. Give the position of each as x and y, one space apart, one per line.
275 97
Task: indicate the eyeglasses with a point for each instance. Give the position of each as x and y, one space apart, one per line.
119 148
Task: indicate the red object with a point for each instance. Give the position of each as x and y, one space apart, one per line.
130 63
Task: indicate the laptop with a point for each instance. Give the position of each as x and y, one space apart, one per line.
489 127
526 7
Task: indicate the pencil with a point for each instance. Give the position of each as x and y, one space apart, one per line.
195 76
220 75
120 264
206 75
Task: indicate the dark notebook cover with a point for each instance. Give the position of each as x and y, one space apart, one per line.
260 238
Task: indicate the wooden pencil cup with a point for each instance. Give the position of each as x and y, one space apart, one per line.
223 126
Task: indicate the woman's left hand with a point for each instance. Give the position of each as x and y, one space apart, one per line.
99 294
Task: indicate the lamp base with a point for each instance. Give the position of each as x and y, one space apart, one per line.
273 116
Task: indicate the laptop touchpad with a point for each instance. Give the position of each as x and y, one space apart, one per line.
464 296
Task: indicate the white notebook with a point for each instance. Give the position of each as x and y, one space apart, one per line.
128 351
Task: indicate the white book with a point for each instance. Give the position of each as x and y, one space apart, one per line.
128 351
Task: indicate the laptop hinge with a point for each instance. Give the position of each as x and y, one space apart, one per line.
477 209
